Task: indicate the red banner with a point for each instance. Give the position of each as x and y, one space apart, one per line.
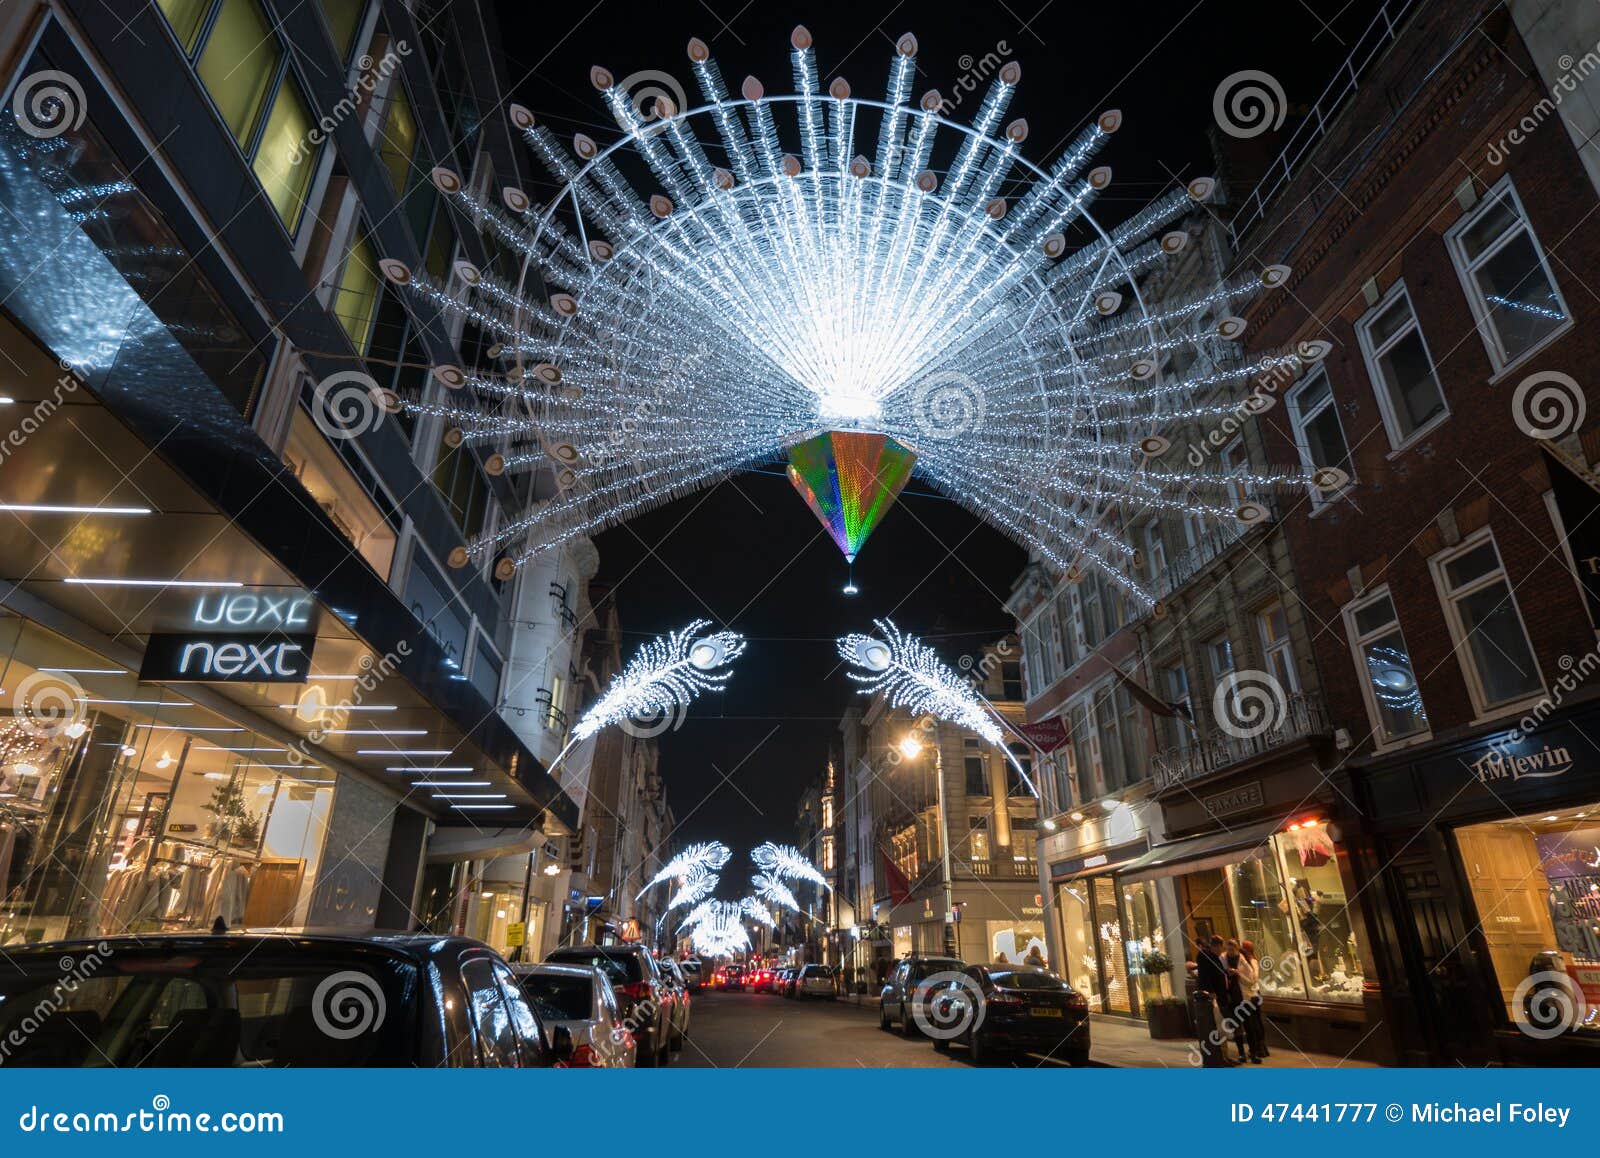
899 886
1046 735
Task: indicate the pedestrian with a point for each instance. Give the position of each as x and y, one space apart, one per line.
1249 974
1210 989
1236 1006
1034 958
1002 959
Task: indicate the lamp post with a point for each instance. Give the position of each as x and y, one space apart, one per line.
911 748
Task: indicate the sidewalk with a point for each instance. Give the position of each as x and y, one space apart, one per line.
1117 1041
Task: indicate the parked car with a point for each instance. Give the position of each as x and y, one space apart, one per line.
681 1000
579 999
691 970
1023 1010
280 998
906 990
761 980
791 974
815 981
733 977
644 997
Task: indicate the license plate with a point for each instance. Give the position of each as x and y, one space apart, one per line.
1045 1012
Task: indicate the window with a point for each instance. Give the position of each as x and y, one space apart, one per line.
1155 551
555 717
1235 463
1015 785
828 863
461 483
1394 701
1219 657
397 136
978 837
1487 628
976 768
1400 367
1506 277
1274 626
1116 720
1318 434
1011 679
1033 656
827 812
1175 680
1082 751
355 299
344 21
238 58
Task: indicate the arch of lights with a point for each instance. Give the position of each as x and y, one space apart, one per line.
713 298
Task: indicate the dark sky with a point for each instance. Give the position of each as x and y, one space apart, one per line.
749 554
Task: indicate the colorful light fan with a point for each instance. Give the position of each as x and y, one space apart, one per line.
850 480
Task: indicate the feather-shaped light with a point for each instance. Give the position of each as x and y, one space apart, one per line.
771 889
664 677
708 855
758 912
786 862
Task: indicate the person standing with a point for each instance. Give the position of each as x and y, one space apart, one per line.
1210 990
1235 1012
1248 971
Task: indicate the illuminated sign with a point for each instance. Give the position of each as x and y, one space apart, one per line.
251 610
227 659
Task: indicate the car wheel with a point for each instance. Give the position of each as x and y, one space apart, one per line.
980 1054
648 1058
941 1044
908 1024
1078 1058
883 1018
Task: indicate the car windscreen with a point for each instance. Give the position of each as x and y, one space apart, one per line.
926 969
557 997
1027 979
260 1007
623 969
815 971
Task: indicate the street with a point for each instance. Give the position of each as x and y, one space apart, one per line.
760 1029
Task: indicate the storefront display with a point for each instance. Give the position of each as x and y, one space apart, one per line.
1018 942
1535 881
1108 928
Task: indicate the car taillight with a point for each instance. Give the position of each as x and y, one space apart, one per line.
638 990
584 1057
1077 1001
1001 997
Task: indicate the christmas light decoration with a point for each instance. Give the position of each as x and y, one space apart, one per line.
692 889
716 929
707 856
758 912
910 675
695 300
849 480
786 862
771 889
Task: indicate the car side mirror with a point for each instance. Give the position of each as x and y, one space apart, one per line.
561 1042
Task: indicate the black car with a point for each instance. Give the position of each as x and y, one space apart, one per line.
906 990
265 999
997 1011
645 998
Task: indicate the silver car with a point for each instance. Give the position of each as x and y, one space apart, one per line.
579 999
815 981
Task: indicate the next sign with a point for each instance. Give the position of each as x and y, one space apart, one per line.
223 659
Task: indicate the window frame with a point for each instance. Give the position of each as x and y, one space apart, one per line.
1460 639
1357 640
1371 352
1285 645
1300 419
1481 314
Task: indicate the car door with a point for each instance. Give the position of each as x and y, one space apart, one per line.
902 986
494 1034
534 1050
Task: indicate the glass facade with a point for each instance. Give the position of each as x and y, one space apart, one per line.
1108 927
124 808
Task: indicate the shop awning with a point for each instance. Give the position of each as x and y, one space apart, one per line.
1199 852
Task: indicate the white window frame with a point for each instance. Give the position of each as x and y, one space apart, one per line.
1461 643
1357 641
1299 419
1155 547
1285 645
1370 353
1469 286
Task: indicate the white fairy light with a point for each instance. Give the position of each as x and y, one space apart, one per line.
693 887
909 674
703 324
716 928
707 856
771 889
786 862
758 912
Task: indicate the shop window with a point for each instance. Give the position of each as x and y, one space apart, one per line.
238 58
1273 623
1491 642
1081 967
1506 277
1401 367
1318 433
344 22
975 767
355 298
1145 938
1536 887
324 473
1394 700
1017 943
498 907
1262 915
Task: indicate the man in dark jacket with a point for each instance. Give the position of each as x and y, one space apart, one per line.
1211 992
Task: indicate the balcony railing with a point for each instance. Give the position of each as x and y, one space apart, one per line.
1002 869
1213 543
1216 749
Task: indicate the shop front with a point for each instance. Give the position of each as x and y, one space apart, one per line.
1261 855
1489 856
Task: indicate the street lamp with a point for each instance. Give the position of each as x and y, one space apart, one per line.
911 748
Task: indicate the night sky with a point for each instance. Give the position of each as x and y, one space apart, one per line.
748 553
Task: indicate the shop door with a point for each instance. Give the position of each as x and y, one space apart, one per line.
1113 960
1512 896
1443 990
